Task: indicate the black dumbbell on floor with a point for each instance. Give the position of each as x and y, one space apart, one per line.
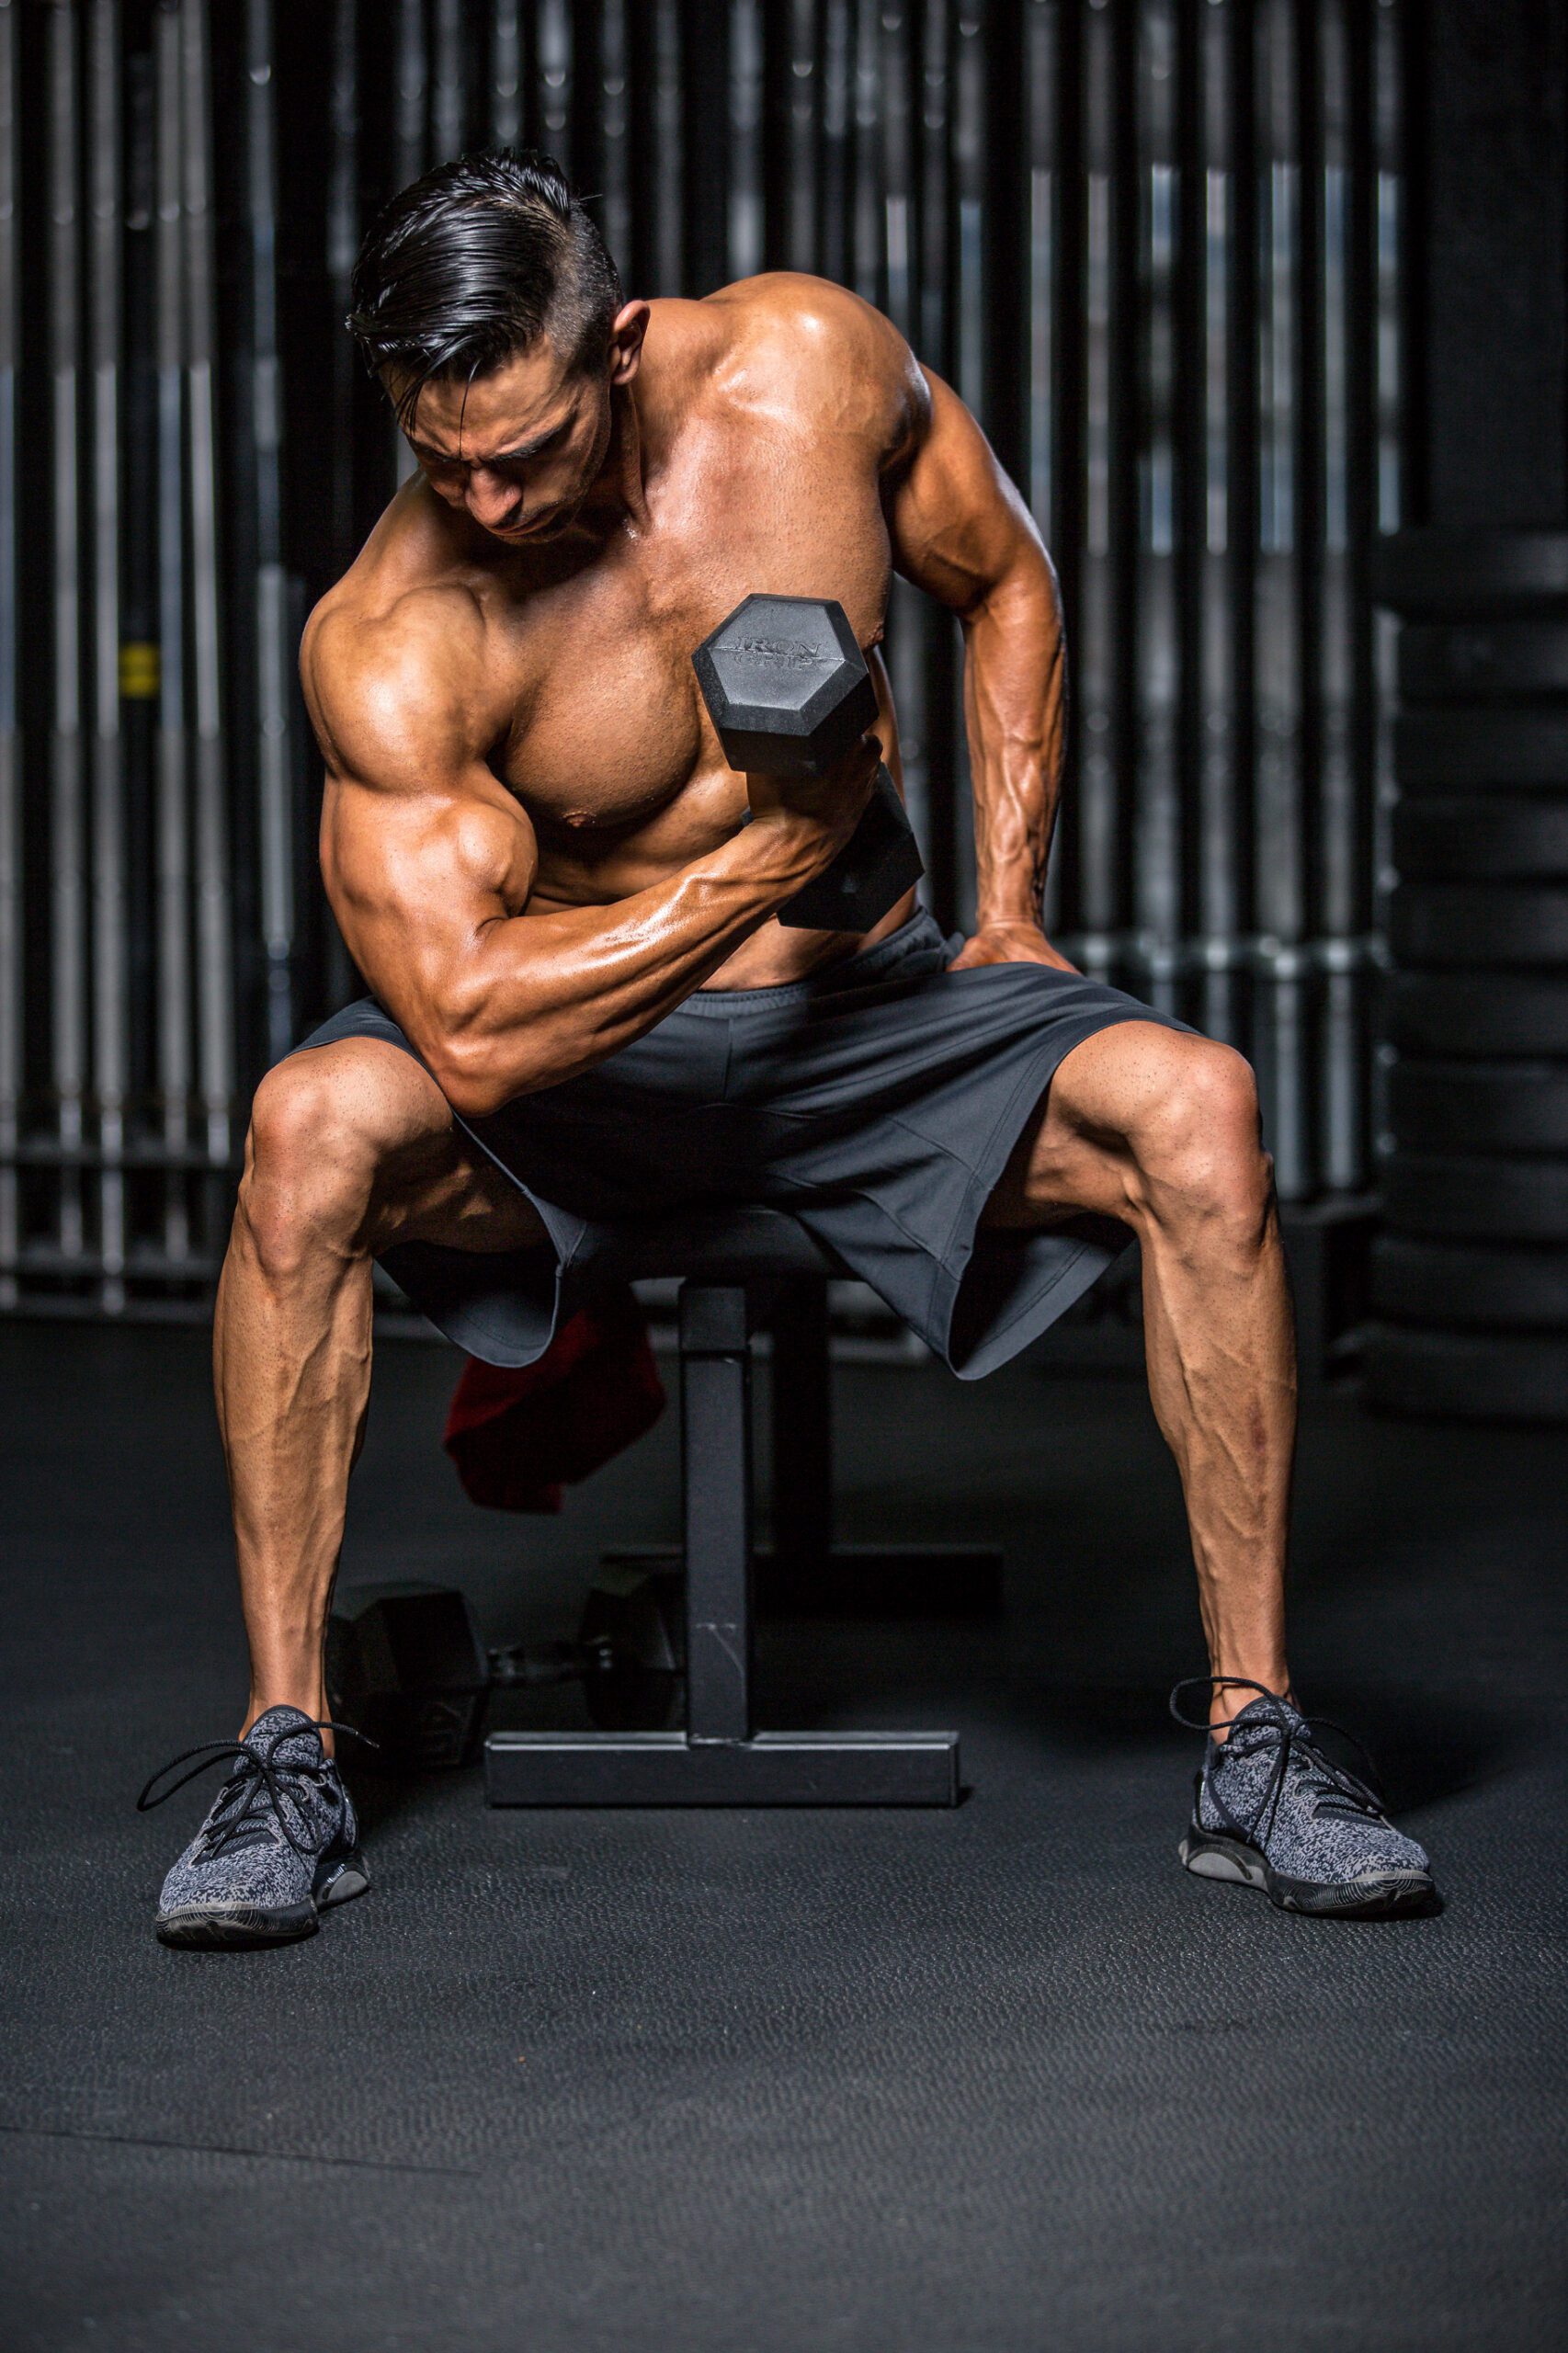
407 1666
790 693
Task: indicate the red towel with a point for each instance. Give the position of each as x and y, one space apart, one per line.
519 1435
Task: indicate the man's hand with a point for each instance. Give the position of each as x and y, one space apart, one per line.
835 803
1008 943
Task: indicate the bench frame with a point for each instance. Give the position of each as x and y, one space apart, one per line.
720 1758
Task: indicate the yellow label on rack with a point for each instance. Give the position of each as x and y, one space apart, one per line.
138 671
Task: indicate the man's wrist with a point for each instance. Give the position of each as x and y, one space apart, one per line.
798 845
1008 918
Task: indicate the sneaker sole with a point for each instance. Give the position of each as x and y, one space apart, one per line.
1378 1895
248 1925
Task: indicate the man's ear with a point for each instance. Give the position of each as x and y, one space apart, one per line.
626 341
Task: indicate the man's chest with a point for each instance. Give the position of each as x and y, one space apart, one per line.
609 729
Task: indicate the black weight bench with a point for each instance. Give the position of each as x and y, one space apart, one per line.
736 1270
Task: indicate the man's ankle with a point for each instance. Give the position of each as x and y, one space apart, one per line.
1234 1691
310 1702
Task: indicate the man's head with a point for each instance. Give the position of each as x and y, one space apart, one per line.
485 301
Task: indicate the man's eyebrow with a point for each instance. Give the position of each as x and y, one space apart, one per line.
502 458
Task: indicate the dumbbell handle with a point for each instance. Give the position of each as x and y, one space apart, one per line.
884 837
548 1663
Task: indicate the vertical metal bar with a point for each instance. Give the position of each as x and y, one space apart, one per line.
1279 877
172 825
706 96
69 1007
553 33
506 74
1399 450
1209 210
832 153
745 222
1391 28
867 249
111 911
801 236
1042 100
1099 769
449 94
1243 489
1310 553
935 160
1068 406
1338 848
968 189
275 764
669 176
716 1449
1189 462
614 125
933 641
1126 394
409 147
1005 219
214 930
11 1000
1361 492
413 76
342 244
1156 827
909 615
897 72
968 73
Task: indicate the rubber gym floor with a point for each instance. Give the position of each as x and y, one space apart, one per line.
985 2081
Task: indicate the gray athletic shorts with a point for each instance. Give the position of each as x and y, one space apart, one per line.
877 1102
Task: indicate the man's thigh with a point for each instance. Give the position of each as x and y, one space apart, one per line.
373 1105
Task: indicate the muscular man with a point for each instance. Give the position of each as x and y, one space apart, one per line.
584 1011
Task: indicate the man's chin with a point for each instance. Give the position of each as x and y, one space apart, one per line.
548 527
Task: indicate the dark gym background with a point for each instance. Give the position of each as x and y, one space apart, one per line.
1241 292
1264 305
1162 251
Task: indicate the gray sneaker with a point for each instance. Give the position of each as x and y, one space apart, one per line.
280 1844
1272 1811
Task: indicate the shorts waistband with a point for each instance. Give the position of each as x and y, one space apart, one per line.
921 934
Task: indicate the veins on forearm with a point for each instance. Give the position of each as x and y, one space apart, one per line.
1014 712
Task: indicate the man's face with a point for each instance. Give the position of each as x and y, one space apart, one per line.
520 448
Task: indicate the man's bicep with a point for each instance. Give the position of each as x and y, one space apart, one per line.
959 526
416 880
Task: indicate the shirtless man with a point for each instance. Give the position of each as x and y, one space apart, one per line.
583 1008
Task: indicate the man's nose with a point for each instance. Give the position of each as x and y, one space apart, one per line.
492 499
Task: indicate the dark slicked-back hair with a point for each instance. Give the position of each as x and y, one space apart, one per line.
477 261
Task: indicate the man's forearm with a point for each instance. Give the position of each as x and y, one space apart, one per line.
1015 708
542 998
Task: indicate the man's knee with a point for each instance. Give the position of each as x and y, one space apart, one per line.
1196 1146
311 1165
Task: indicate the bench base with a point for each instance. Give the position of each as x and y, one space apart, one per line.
771 1768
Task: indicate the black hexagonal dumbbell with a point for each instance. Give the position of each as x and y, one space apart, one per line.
789 693
407 1666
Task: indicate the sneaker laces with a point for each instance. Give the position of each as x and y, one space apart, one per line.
259 1779
1329 1788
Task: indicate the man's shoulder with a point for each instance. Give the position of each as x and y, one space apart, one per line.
396 651
788 338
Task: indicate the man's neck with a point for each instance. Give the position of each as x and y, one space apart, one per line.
620 491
